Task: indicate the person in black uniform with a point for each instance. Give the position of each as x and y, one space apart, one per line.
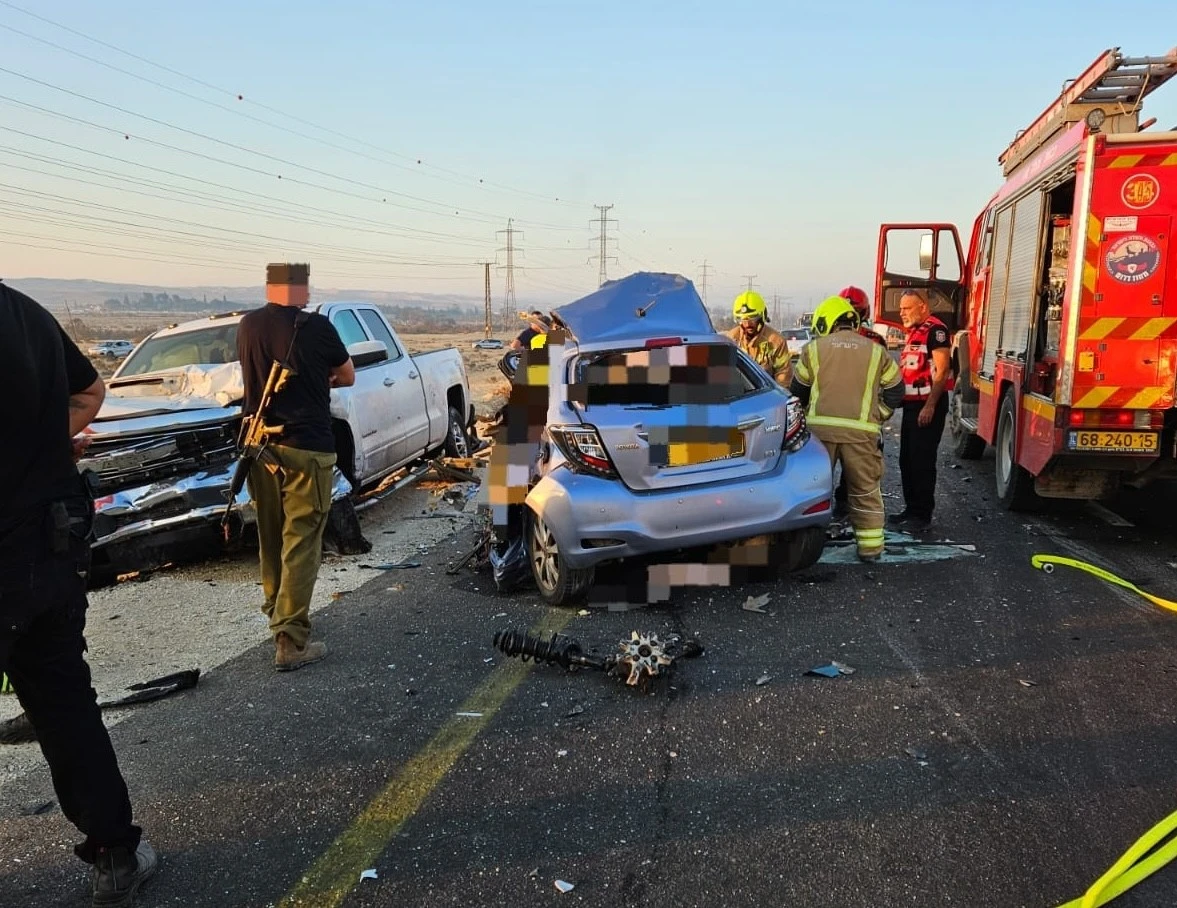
46 519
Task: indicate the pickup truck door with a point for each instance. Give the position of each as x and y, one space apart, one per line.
375 431
404 403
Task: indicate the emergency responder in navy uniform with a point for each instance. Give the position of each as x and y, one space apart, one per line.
754 336
850 387
926 367
858 299
46 524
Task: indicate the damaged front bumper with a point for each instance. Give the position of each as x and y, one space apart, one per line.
190 502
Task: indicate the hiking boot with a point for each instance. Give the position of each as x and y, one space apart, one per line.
288 657
118 874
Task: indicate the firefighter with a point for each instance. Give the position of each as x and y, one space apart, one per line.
925 364
753 335
858 299
850 387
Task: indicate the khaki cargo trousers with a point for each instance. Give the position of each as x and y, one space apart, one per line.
862 471
292 498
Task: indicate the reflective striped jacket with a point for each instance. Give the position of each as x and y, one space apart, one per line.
851 386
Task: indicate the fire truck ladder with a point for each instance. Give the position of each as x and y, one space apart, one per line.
1114 83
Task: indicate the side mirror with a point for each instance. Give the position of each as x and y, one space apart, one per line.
926 255
509 364
367 353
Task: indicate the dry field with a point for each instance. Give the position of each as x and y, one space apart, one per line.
487 385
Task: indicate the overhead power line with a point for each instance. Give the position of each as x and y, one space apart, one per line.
240 97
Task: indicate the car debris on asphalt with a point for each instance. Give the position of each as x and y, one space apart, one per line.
19 730
639 658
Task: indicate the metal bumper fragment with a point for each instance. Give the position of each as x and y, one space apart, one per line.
186 502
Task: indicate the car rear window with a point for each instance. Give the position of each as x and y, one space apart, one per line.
664 376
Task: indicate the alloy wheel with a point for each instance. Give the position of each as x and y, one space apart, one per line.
545 555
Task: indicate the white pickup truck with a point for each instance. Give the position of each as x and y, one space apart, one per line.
164 443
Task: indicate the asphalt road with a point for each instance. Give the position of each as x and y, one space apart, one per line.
1005 736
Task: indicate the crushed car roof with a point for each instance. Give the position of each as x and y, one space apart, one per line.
641 306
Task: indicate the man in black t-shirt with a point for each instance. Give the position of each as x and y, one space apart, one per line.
46 518
291 487
537 324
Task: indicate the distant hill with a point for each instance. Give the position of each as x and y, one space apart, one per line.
98 296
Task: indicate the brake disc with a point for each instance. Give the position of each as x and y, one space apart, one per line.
642 654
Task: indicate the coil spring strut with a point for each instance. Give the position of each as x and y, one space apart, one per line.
559 650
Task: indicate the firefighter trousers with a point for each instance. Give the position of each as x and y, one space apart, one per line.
292 505
862 473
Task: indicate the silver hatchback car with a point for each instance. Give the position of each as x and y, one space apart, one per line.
663 435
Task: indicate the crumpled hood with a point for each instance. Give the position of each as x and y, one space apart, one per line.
197 387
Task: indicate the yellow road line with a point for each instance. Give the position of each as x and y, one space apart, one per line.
336 873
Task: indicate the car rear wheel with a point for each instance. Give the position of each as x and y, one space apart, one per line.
558 583
801 548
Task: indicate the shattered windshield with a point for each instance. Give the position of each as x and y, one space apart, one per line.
210 346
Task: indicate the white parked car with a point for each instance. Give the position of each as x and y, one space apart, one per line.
489 343
796 338
112 348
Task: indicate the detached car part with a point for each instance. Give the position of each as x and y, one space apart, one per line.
642 655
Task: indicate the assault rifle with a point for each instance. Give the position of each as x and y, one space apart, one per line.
254 436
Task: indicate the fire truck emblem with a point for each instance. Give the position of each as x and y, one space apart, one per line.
1140 191
1133 258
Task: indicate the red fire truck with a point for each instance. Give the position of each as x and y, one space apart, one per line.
1064 314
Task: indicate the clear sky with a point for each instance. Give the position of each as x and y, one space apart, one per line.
764 138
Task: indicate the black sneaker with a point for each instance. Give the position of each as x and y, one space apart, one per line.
900 518
118 874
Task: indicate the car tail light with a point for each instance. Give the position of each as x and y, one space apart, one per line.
583 448
656 342
796 432
1117 419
